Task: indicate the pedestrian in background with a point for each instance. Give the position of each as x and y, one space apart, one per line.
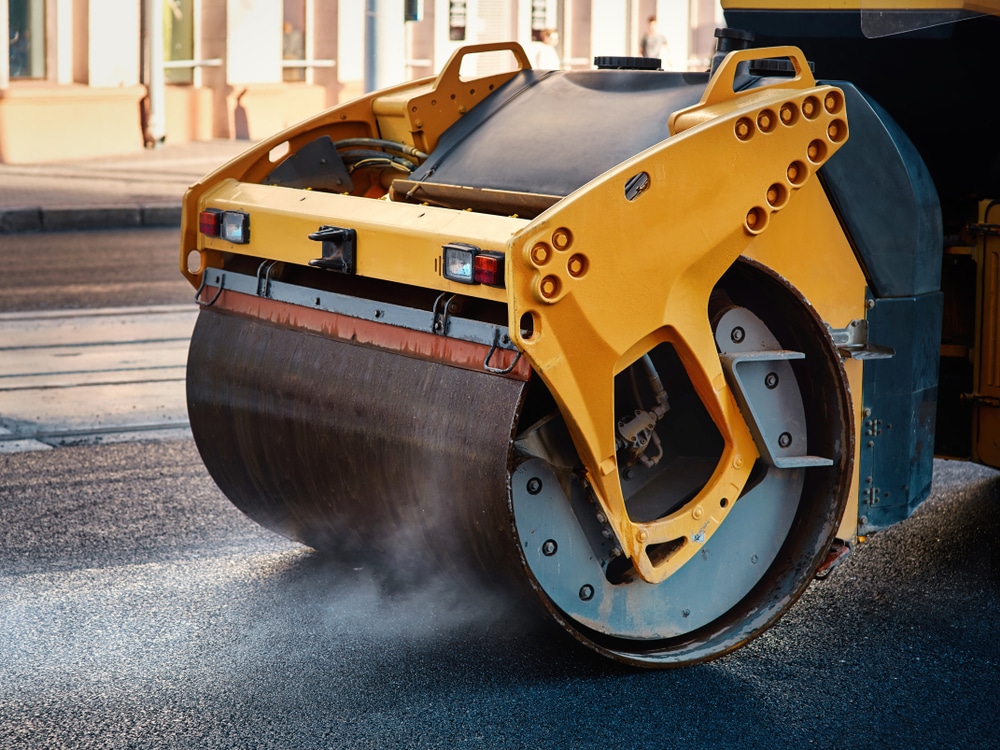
653 44
544 55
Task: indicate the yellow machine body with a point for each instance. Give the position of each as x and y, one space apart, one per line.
647 404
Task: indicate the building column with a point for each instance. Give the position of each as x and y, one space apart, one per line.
4 47
156 123
385 44
674 21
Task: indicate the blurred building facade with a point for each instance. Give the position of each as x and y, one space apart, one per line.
83 78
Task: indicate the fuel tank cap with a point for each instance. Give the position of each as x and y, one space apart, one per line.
627 63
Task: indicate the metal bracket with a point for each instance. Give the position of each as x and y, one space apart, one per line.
980 400
852 342
264 271
839 551
779 434
204 282
489 356
983 230
442 305
339 248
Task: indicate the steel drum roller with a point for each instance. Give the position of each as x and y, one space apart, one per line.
343 389
354 450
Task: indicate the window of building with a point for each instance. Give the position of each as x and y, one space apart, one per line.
293 46
456 20
539 19
27 38
178 39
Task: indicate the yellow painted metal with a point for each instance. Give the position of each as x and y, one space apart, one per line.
602 278
413 113
986 358
396 241
353 120
808 249
629 261
420 116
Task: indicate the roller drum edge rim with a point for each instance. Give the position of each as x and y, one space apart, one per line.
816 519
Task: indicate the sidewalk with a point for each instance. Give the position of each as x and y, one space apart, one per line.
136 190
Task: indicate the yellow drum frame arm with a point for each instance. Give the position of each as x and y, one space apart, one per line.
629 261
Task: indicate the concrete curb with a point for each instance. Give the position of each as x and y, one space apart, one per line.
62 219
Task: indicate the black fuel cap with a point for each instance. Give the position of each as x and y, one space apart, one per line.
627 63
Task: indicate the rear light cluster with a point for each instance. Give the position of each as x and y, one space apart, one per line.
467 264
232 226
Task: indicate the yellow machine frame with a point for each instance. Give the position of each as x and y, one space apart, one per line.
624 263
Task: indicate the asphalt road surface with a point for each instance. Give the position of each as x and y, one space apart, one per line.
94 329
140 609
116 268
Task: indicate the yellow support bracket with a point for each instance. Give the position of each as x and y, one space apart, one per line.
629 261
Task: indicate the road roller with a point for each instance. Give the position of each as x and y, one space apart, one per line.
650 350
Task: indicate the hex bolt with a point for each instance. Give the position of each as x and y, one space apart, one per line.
549 547
685 613
586 592
737 335
784 439
534 486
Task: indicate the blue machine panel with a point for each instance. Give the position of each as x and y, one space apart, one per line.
900 403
